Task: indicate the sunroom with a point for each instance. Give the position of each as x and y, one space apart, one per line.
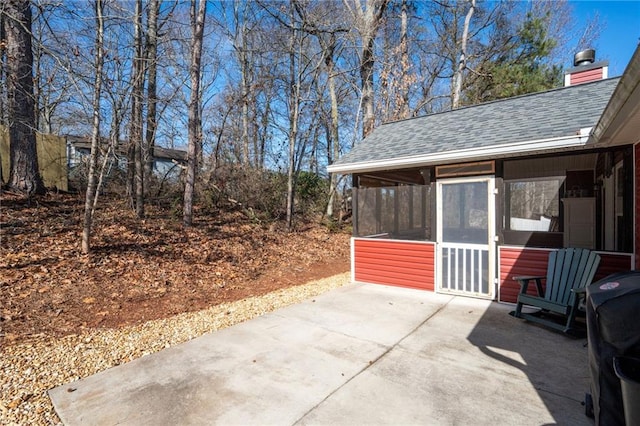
460 202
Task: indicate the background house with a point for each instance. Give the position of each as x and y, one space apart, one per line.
61 158
166 161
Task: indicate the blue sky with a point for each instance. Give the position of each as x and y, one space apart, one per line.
621 33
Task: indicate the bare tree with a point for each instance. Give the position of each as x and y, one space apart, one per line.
326 27
137 149
241 48
405 65
152 95
3 88
49 89
367 21
462 61
294 100
24 175
396 75
333 142
241 23
298 81
3 72
92 184
195 121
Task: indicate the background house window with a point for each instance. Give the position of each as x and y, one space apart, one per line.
534 205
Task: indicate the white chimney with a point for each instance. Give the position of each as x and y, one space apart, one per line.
585 69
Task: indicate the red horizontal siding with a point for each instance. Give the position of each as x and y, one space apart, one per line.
392 254
398 263
518 262
586 76
522 261
385 265
610 263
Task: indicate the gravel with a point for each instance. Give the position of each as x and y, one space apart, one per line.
28 370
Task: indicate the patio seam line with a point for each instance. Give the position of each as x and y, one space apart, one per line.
351 336
329 329
371 363
541 389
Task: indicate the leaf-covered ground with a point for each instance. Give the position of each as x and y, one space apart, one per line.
142 270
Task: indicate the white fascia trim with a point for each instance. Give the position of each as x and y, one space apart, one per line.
578 140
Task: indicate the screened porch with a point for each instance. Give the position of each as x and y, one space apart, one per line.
487 234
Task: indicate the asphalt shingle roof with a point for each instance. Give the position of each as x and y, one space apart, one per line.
555 113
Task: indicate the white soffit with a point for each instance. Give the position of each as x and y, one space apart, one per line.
496 151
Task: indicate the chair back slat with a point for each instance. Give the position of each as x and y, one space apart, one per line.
576 276
552 272
590 269
574 271
568 269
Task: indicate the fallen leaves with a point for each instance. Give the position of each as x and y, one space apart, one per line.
141 270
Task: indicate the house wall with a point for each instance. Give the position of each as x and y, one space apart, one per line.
520 261
637 202
392 262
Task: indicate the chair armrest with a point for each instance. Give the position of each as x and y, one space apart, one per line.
528 277
581 294
524 283
580 299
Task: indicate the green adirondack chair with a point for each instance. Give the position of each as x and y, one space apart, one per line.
568 272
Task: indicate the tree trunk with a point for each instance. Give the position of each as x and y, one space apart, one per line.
462 62
92 190
3 73
367 22
262 141
366 79
194 124
24 175
37 76
244 71
152 96
136 112
405 63
242 49
294 113
326 36
333 146
131 172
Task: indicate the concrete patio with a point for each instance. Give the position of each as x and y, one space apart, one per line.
362 354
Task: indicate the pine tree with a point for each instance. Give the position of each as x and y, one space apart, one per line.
522 68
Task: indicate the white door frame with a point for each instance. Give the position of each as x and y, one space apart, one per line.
465 249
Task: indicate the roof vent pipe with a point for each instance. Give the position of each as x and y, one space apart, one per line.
584 57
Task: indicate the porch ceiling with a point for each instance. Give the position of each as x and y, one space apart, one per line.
620 121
